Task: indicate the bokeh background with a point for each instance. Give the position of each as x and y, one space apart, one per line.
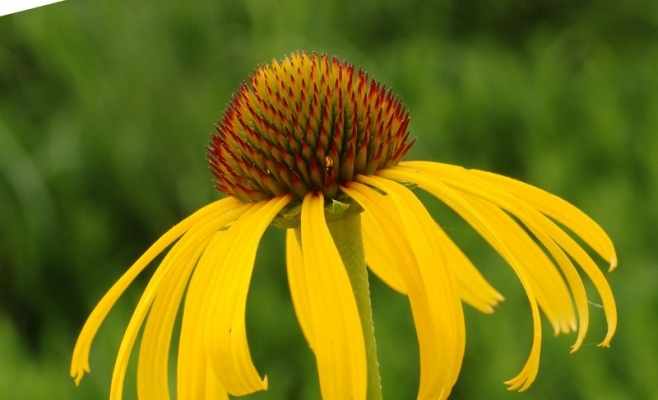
106 108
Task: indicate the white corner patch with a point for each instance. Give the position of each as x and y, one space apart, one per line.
13 6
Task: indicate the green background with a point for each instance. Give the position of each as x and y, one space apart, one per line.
106 108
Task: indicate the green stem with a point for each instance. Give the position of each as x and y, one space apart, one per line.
346 232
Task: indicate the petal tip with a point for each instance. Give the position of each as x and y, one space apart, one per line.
613 264
519 384
77 376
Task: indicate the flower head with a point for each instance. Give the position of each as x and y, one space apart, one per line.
314 147
306 124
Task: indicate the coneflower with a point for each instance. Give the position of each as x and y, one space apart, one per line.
314 146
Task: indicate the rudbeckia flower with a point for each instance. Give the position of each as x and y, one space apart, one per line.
314 147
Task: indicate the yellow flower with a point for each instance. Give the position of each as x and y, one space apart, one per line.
314 147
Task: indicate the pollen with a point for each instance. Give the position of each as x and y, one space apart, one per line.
307 123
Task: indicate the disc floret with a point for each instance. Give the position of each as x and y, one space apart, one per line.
307 123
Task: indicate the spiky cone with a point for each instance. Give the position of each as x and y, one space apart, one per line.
306 124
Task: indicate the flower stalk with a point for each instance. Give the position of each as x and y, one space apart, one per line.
346 233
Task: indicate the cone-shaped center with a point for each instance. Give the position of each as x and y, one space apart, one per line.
304 124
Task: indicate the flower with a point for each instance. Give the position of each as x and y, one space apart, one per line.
315 147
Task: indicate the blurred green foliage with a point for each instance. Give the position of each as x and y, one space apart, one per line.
105 111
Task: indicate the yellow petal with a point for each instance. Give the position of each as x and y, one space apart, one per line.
550 235
549 204
181 251
298 287
430 284
214 388
593 272
473 288
552 294
496 238
153 365
381 256
385 261
80 359
338 341
226 299
196 379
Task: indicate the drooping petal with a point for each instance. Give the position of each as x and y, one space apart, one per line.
214 388
549 204
196 379
176 257
80 359
430 283
298 286
544 280
386 263
473 288
153 365
337 341
549 234
225 298
381 257
497 238
390 226
560 210
419 226
552 293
